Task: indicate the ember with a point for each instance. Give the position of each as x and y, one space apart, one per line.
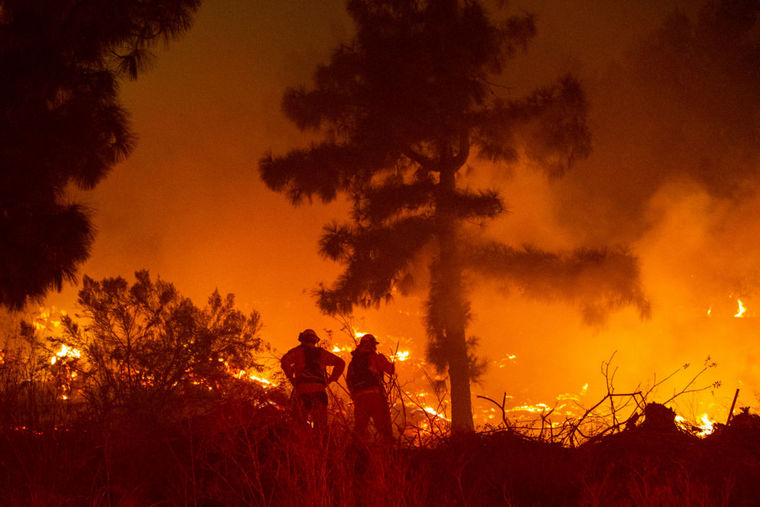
65 352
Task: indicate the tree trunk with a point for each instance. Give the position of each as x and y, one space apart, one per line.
455 309
459 378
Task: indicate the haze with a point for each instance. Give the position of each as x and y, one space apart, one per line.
673 177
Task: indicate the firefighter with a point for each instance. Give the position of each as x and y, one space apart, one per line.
365 383
306 368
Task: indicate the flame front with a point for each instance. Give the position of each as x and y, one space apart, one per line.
432 411
706 427
741 311
65 352
703 427
401 355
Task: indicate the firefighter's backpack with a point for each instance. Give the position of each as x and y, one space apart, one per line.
359 376
313 371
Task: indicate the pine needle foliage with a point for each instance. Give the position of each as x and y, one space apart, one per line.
402 108
62 124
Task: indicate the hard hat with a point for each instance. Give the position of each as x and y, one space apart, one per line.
368 339
308 336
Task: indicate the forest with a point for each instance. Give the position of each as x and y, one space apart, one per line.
506 223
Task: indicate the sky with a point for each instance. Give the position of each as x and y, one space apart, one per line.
672 178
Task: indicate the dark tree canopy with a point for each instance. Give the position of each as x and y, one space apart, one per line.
61 123
403 108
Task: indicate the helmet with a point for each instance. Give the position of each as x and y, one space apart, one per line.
308 336
368 339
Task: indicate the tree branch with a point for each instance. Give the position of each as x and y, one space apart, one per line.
419 158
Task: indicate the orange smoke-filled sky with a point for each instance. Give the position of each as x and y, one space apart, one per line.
673 177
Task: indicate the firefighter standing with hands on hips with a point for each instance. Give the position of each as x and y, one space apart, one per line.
306 368
365 383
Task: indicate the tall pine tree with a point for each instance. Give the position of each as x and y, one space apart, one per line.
403 108
62 125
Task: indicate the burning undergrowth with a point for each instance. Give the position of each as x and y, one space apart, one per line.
238 445
245 453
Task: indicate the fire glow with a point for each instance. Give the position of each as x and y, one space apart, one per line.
243 374
741 311
704 425
65 352
707 426
401 355
436 413
411 375
264 382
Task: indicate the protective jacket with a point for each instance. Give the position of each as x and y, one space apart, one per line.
306 368
365 381
366 369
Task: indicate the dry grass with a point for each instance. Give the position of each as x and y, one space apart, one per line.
244 449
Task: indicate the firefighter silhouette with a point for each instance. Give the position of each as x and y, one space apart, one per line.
306 368
365 383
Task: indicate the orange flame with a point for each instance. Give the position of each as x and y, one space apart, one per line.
707 426
401 355
430 410
65 352
740 313
264 382
704 426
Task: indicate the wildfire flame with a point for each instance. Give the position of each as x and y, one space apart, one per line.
506 359
65 352
358 334
430 410
239 374
705 426
337 349
45 319
565 405
262 381
537 408
401 355
741 311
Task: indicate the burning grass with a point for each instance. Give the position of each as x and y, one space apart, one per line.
233 442
247 451
240 446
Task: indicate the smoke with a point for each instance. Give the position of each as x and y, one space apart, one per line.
680 106
673 178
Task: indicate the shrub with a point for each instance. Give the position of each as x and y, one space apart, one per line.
144 345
